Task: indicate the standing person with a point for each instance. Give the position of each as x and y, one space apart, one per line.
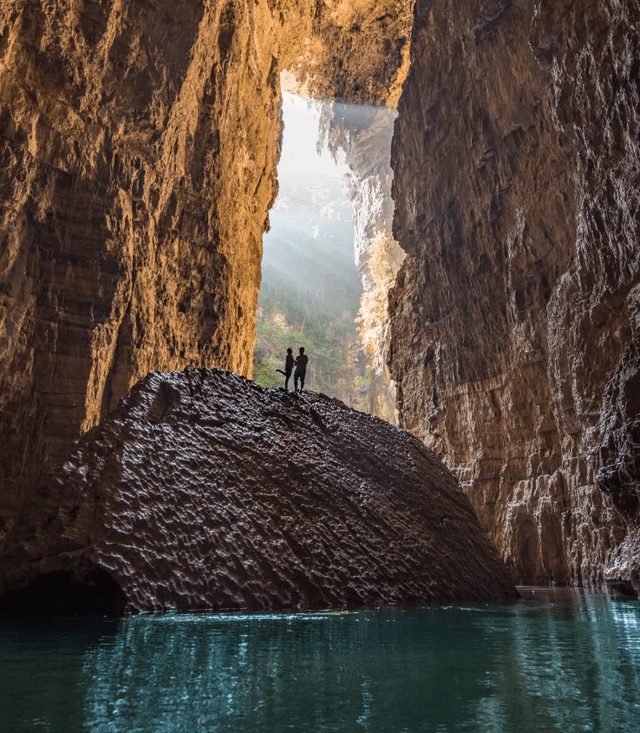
301 369
288 368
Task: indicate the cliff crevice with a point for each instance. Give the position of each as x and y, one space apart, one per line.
139 145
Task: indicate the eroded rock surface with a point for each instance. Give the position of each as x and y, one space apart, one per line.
203 490
515 330
124 248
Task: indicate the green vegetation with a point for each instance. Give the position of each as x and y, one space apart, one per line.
264 373
310 292
289 318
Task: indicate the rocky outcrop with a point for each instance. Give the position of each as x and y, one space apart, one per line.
139 144
515 329
355 50
203 490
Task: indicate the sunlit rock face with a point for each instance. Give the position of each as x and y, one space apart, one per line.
124 247
355 50
515 328
138 146
203 490
363 133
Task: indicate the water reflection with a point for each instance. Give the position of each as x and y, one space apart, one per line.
42 682
556 660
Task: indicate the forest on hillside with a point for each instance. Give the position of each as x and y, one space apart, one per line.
310 296
288 319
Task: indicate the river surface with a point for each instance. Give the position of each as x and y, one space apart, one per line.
560 660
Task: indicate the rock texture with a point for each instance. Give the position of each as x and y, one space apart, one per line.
515 330
138 146
124 247
203 490
355 50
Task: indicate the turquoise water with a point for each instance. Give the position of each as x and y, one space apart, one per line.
556 660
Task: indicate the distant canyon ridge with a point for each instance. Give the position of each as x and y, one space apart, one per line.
139 145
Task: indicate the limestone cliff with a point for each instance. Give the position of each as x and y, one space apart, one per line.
203 490
355 50
138 144
515 328
124 247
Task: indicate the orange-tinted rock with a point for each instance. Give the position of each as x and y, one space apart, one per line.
515 315
133 206
203 490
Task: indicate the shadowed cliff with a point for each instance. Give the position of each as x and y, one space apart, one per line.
204 490
515 317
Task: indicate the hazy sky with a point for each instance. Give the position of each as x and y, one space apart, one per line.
311 234
300 138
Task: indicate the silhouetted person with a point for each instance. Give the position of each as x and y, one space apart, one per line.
288 367
301 369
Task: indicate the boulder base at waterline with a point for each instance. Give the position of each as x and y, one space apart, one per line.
203 490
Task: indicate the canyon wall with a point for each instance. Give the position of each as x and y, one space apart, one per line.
139 144
124 247
378 256
516 315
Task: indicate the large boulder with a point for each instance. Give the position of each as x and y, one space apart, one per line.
203 490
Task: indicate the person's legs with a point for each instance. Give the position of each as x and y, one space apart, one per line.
302 381
295 381
287 378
